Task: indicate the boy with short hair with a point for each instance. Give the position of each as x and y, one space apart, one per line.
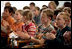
37 16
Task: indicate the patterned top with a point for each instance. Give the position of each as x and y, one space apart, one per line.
30 28
45 30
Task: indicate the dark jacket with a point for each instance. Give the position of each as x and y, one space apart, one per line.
58 42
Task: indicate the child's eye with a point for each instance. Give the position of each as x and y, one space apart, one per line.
16 14
6 10
58 19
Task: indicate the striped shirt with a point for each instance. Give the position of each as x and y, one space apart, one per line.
30 28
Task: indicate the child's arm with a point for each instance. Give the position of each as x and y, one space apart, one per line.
39 41
27 36
23 35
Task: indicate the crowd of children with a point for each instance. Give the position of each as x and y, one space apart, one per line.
50 26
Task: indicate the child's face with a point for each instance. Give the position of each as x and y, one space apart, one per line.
32 7
44 18
17 15
24 19
51 6
36 12
60 21
6 13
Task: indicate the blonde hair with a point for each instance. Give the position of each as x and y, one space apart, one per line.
65 15
53 3
20 11
68 9
28 14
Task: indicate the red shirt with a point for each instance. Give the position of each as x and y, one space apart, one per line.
30 28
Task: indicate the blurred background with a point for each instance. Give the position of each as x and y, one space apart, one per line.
21 4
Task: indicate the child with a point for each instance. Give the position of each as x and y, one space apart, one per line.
54 18
67 38
26 7
32 6
58 41
37 16
14 8
46 26
46 17
67 10
29 25
7 14
52 5
7 4
61 20
7 19
18 24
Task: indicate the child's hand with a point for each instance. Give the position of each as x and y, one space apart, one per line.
53 31
25 31
39 35
41 41
5 23
67 35
54 24
22 35
50 36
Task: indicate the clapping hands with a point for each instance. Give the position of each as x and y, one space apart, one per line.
50 36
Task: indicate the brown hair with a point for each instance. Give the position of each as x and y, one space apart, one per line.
60 8
28 14
26 7
37 8
68 9
65 15
32 3
48 12
42 9
14 8
7 4
44 6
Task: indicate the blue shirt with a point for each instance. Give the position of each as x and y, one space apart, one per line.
37 19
